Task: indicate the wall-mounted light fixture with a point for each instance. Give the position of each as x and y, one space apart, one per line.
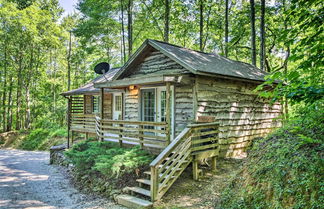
131 87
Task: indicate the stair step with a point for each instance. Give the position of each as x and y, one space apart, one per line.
144 181
133 202
140 191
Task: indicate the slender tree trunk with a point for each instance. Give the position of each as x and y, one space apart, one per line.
69 62
253 45
286 63
123 31
18 95
262 36
167 21
130 27
226 27
4 94
201 25
9 109
29 77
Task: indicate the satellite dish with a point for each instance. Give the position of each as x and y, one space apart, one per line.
102 68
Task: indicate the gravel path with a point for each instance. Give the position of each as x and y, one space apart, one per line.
28 181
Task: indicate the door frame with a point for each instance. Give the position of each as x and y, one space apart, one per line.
156 105
113 105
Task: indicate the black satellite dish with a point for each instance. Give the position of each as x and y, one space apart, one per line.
102 68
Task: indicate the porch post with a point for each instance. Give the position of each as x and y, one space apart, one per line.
84 112
102 96
168 111
69 121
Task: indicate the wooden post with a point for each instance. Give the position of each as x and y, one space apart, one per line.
195 100
195 171
154 183
72 137
213 163
121 135
102 96
168 112
140 132
69 121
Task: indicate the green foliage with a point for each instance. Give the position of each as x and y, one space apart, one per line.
34 139
107 158
284 170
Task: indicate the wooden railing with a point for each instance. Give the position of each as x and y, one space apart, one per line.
145 134
196 139
82 123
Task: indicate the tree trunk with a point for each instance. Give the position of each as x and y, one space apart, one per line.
69 62
167 21
201 25
9 109
226 28
262 36
130 27
253 45
123 31
286 64
4 94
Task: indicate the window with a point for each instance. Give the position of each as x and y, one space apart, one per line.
118 103
95 104
163 106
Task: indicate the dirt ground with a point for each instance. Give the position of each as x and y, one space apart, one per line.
28 181
204 193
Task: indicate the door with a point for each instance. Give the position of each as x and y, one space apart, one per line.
161 106
117 106
148 104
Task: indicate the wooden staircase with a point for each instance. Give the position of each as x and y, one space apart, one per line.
166 168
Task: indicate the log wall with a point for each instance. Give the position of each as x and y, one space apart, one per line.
243 115
107 105
132 104
156 63
183 104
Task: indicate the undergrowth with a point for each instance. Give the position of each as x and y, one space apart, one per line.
284 170
105 167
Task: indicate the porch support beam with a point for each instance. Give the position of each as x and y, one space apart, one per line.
168 111
69 121
102 101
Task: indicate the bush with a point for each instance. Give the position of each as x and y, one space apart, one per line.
107 158
34 139
284 170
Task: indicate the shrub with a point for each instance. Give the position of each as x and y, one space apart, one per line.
34 139
107 158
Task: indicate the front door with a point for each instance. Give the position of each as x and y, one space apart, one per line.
148 105
117 106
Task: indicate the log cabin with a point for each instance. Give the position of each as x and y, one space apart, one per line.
182 104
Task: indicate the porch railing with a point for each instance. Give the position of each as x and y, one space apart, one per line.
145 134
197 141
82 123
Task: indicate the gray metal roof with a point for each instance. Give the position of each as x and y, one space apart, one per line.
200 62
89 87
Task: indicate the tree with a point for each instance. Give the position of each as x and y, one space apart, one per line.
226 28
253 44
262 36
167 21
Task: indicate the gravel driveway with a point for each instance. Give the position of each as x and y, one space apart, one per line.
28 181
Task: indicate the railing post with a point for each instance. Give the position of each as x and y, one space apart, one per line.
102 96
140 132
154 183
121 135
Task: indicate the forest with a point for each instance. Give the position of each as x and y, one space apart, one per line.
44 53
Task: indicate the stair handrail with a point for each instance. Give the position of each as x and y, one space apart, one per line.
161 157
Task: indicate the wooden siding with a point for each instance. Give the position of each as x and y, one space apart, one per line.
88 104
155 63
131 104
107 105
183 104
243 115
